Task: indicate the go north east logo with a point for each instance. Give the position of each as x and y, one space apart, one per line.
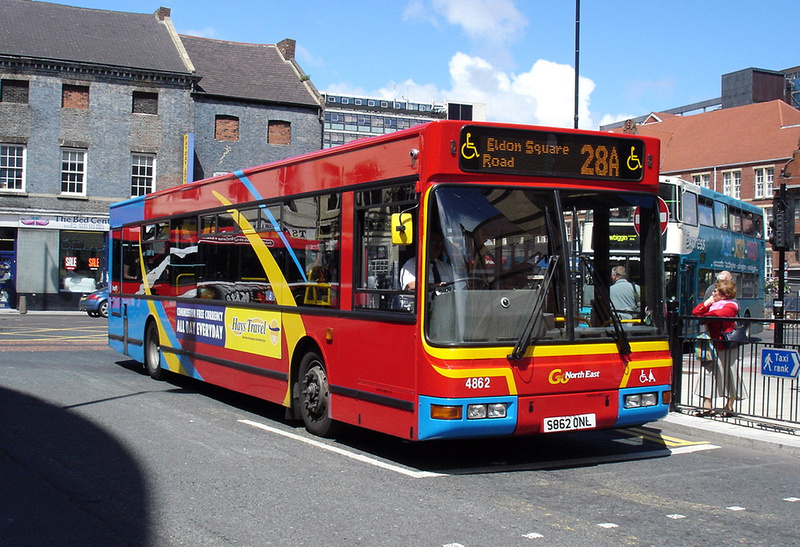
559 377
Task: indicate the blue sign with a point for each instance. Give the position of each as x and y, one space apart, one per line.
781 363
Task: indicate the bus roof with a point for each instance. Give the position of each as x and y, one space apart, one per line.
393 156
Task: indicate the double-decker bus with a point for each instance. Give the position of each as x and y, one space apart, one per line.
709 232
283 282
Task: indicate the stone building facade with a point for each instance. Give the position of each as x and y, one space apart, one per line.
99 106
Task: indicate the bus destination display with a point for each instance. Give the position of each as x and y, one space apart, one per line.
550 153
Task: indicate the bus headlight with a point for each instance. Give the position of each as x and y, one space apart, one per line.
641 399
497 410
491 410
476 412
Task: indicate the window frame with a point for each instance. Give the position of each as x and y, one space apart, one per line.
84 162
6 158
135 177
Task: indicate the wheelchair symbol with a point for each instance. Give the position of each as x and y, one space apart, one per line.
645 378
633 160
468 150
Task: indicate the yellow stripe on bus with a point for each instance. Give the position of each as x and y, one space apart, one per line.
554 350
172 360
641 365
476 372
293 327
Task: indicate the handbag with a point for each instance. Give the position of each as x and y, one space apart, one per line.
735 337
705 348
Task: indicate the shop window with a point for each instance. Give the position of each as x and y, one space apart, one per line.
81 260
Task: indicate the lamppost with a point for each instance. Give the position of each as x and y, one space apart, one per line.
577 54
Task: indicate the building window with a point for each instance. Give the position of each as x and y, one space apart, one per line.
75 96
703 179
226 128
732 184
145 103
13 91
143 174
12 167
764 178
457 111
279 132
73 171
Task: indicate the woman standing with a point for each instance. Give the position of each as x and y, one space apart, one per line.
722 376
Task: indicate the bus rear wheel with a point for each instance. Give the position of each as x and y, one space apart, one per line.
152 352
314 400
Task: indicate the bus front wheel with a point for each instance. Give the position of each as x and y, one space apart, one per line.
152 352
314 400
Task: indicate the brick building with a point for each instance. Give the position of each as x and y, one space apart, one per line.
739 151
98 106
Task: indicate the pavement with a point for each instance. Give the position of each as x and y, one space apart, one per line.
755 435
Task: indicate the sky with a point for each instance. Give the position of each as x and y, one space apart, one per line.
516 56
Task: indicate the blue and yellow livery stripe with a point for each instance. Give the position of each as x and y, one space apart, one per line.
174 362
293 327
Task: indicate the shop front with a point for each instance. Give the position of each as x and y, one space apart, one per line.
52 259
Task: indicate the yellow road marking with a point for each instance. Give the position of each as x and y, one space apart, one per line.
669 442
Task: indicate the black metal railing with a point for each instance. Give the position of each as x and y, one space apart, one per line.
740 389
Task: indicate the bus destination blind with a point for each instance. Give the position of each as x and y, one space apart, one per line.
550 153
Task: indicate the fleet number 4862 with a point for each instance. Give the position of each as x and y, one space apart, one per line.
478 383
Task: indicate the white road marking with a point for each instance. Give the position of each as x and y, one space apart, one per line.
415 474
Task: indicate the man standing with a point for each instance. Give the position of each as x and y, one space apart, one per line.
624 294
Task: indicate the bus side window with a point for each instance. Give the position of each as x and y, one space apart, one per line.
311 264
377 278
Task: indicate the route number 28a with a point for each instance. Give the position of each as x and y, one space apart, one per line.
598 161
478 383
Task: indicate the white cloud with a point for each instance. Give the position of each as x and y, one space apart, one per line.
544 95
498 20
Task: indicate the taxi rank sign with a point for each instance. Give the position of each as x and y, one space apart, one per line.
550 153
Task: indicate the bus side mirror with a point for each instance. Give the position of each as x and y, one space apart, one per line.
402 229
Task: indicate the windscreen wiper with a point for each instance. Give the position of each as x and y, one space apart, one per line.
603 299
536 311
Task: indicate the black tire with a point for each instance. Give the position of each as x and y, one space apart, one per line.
314 396
152 352
102 310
